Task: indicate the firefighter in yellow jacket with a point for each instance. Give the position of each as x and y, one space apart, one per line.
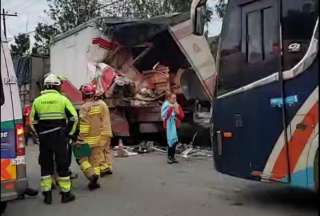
95 130
50 115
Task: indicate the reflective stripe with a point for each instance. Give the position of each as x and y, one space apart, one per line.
92 140
64 184
95 110
104 167
46 183
49 131
84 128
85 165
97 170
56 115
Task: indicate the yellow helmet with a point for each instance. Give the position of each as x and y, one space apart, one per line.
52 80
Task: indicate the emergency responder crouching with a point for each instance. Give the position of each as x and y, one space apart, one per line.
95 130
51 112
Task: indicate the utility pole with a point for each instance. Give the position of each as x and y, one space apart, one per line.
4 14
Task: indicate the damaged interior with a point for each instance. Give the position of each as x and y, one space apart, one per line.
142 62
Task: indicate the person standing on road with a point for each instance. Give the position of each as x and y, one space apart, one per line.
27 124
172 115
51 112
95 130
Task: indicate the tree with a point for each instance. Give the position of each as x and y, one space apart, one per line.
146 8
221 7
21 45
68 14
43 36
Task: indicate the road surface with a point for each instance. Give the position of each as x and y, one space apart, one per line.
145 185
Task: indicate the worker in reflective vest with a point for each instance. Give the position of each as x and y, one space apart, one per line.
95 130
51 114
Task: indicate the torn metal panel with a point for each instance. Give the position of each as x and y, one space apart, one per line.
197 51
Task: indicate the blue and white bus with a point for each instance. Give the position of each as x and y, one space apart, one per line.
266 110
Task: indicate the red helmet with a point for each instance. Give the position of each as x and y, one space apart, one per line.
88 90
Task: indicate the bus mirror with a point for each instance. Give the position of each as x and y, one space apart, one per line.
198 11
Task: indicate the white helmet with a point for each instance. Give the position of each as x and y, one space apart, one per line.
52 80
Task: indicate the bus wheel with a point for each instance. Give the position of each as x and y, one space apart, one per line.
3 206
316 171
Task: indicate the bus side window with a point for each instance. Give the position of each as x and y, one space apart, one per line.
254 37
260 30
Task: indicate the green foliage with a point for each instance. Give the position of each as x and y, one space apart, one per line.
68 14
221 7
21 45
43 35
146 8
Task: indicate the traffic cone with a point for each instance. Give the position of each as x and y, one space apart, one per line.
121 152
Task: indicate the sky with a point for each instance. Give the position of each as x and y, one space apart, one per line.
30 12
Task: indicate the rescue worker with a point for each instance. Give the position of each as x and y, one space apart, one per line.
107 150
28 125
95 129
50 115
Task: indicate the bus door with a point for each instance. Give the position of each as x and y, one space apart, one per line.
248 113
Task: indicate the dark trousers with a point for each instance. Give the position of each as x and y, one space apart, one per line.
54 148
172 151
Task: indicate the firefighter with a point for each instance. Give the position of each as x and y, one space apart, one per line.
95 129
50 115
107 150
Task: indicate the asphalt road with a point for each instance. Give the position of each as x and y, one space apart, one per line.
145 185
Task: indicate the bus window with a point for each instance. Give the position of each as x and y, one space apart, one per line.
254 37
249 47
270 31
260 32
299 18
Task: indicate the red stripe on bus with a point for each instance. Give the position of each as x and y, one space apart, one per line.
296 145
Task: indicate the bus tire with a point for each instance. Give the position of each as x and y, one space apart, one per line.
3 206
316 171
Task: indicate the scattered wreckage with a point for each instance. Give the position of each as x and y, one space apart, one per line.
133 63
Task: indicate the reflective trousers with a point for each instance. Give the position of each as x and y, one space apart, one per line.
98 162
108 153
54 148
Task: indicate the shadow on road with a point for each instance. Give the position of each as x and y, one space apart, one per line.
284 196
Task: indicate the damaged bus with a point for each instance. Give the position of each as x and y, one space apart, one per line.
265 121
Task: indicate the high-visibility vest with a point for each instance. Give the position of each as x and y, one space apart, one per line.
51 105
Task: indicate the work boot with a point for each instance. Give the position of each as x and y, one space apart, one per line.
174 160
47 197
31 192
67 197
94 183
106 172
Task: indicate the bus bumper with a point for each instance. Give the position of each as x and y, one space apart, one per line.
8 194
